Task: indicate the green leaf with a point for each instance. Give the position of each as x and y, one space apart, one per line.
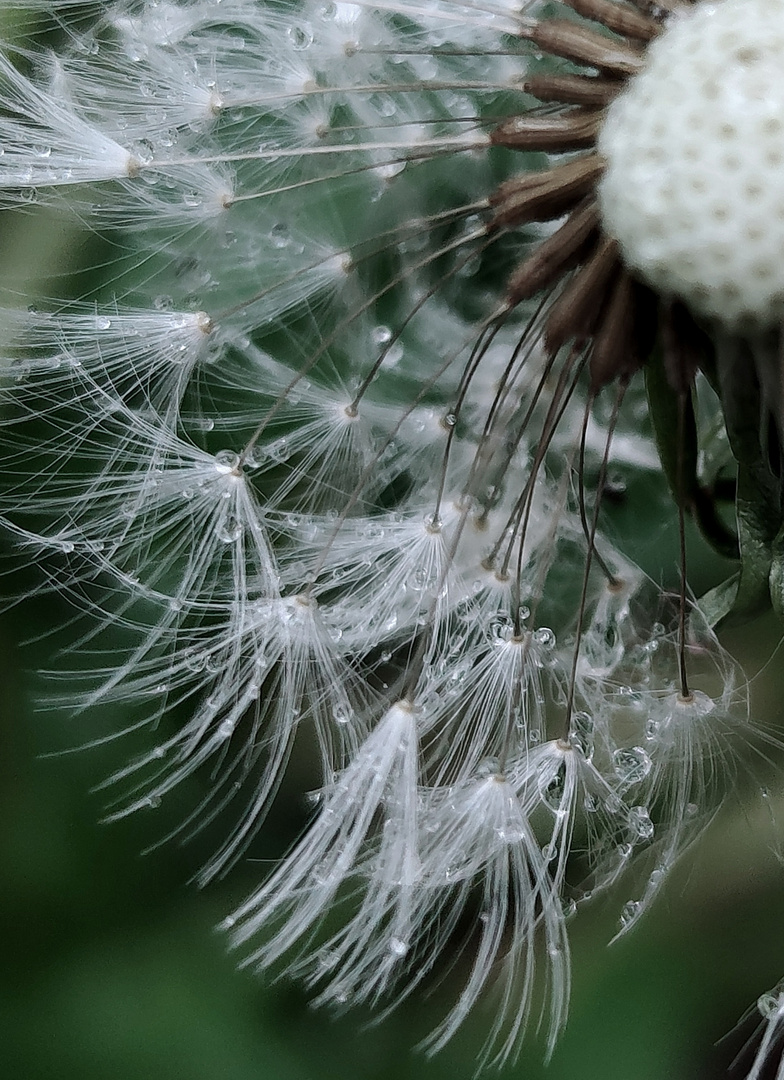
678 448
717 604
679 464
758 500
777 574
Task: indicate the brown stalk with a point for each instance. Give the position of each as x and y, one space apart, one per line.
614 353
544 195
590 90
584 46
621 19
659 9
685 347
574 314
572 129
554 256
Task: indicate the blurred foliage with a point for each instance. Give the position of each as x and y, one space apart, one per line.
113 969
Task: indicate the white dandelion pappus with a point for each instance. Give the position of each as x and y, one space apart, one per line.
478 837
382 772
322 459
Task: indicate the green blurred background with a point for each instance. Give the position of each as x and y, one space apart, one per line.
113 969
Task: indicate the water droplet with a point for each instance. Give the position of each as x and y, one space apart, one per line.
640 823
652 728
581 736
380 335
629 913
393 354
397 946
768 1005
300 37
103 322
195 660
342 714
510 834
544 637
489 766
278 450
631 765
327 959
226 461
229 530
553 791
256 457
657 876
280 235
614 486
226 729
153 801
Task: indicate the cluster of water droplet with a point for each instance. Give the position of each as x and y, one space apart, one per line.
301 497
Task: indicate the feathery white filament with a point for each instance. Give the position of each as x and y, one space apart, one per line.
303 472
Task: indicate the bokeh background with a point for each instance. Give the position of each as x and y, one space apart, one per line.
112 968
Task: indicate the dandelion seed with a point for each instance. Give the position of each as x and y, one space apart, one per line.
383 772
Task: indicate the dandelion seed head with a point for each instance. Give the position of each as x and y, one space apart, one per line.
694 150
325 463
